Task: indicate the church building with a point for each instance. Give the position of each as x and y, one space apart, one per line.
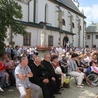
51 23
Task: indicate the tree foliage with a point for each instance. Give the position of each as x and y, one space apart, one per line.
10 12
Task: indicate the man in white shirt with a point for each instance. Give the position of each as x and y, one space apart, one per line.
22 75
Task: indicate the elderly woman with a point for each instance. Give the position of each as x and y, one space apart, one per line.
73 70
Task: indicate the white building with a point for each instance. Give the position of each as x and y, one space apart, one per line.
92 35
49 21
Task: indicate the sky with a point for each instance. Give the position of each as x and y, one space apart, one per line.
90 8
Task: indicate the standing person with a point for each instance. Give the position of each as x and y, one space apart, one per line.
16 52
8 50
22 75
21 50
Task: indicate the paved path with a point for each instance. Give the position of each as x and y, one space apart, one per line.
72 92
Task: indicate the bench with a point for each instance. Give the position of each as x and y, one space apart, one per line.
28 93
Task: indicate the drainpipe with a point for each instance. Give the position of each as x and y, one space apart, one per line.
34 11
83 33
29 9
71 29
79 33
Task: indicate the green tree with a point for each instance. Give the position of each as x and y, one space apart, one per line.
10 11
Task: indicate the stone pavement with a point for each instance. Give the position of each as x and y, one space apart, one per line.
72 92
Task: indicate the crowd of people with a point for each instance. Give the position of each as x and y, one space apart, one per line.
24 68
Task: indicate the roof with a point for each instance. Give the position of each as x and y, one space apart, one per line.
71 5
93 28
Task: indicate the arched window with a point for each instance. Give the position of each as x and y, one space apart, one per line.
63 22
46 13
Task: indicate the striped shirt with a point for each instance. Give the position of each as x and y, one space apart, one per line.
72 66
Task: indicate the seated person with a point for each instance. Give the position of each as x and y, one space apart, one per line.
2 81
46 64
11 68
3 68
73 70
94 67
81 63
16 61
33 56
55 64
40 77
63 64
22 75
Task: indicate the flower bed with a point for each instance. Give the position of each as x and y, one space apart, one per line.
39 47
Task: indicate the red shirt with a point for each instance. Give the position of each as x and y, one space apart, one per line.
2 66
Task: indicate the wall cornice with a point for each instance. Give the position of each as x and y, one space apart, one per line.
36 25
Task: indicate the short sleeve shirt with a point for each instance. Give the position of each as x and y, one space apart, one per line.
25 83
72 66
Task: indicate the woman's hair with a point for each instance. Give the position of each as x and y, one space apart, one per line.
54 57
93 62
2 54
74 55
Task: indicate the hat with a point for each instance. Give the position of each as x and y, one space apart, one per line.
74 55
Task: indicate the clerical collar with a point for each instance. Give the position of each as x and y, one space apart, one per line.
36 64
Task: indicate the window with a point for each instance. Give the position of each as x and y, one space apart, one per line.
96 36
27 40
63 22
80 27
50 40
88 36
73 25
87 46
94 46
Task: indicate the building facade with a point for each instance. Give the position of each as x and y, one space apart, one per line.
92 35
49 21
